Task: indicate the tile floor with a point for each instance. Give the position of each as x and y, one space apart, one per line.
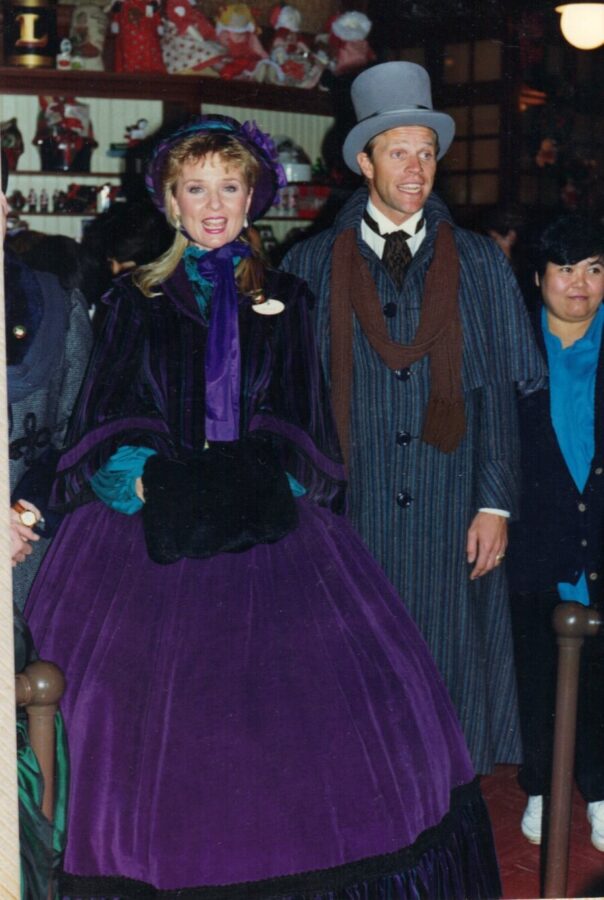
519 860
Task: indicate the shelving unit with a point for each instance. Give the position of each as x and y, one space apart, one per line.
118 99
189 91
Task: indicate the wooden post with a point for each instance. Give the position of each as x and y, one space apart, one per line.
572 623
39 688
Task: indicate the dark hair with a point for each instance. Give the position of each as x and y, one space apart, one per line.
69 261
502 219
568 240
134 231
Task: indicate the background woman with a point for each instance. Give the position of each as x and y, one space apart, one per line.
261 723
556 549
48 339
48 342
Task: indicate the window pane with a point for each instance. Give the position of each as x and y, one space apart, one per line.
455 190
487 60
582 127
485 154
529 190
413 54
484 189
554 59
457 63
486 119
461 117
457 157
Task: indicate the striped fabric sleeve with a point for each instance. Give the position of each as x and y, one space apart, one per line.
499 461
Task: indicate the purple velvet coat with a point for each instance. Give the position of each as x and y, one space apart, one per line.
146 379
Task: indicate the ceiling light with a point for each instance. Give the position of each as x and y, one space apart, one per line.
582 24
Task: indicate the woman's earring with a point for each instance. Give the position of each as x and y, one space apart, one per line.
246 222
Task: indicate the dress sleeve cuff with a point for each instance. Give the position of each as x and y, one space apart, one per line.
114 483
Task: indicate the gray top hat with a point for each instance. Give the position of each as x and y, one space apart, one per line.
388 96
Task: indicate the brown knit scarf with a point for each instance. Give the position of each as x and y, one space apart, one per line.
439 335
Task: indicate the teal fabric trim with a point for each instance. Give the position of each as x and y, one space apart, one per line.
61 789
35 832
297 489
114 482
578 593
41 844
202 289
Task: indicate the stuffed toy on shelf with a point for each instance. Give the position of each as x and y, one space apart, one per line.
87 37
188 42
137 27
345 47
64 134
297 65
237 31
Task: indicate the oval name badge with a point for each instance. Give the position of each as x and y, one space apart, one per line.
269 307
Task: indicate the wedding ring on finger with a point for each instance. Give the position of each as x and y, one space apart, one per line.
26 516
499 557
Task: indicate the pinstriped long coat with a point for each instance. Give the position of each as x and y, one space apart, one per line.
421 544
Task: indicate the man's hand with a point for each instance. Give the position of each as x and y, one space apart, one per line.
487 542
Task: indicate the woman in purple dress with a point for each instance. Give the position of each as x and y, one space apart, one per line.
265 723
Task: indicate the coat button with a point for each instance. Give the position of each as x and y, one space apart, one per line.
403 438
584 542
599 470
389 310
402 374
593 576
581 507
404 499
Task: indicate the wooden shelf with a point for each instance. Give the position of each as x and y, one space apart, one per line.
63 173
188 90
56 215
268 218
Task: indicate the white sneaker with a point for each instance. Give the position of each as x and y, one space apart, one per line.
531 819
595 817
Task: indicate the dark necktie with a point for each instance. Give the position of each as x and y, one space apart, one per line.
397 255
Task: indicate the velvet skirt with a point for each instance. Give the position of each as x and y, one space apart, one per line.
258 724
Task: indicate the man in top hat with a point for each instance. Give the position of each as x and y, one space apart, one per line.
425 339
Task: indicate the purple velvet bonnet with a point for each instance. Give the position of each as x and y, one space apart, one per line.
260 145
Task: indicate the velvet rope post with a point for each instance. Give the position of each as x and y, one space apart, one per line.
9 824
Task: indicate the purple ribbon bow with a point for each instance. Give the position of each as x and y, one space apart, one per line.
223 353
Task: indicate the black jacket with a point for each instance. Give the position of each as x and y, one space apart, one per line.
560 531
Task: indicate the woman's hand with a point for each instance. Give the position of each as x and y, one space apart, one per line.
22 536
3 214
139 490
